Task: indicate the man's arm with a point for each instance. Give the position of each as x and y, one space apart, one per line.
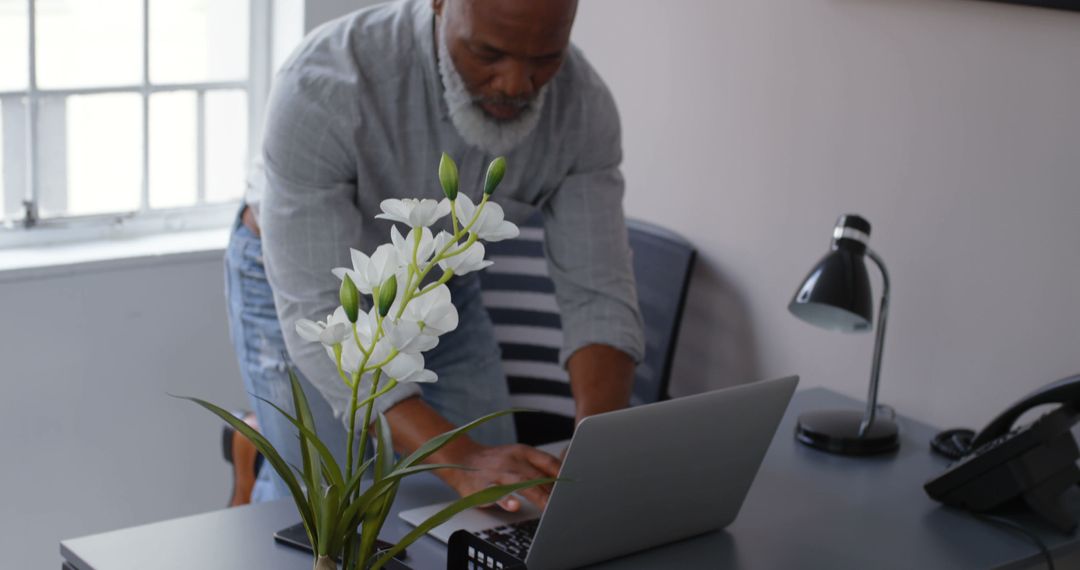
589 260
601 378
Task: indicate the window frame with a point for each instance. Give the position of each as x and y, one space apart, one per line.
33 230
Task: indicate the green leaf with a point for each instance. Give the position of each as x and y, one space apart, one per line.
354 483
370 531
482 497
448 176
495 172
436 443
333 468
384 448
308 452
331 507
269 453
383 511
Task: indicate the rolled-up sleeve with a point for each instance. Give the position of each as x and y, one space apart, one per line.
588 252
310 220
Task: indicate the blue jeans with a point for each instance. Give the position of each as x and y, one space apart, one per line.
471 379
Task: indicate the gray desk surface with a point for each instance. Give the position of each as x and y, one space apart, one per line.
805 510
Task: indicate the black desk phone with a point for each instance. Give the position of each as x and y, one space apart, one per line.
1007 465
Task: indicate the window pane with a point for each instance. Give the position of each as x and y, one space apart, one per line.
14 45
12 156
226 145
83 43
198 40
103 149
5 209
173 150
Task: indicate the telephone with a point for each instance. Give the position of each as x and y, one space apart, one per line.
1003 465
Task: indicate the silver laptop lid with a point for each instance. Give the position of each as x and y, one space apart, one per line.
645 476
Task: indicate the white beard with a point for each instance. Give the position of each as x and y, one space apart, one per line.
472 123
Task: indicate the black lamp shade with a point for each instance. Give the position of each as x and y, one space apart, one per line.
836 294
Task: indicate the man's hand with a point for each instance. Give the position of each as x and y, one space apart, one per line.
413 422
503 465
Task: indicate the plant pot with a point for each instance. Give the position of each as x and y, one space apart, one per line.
327 563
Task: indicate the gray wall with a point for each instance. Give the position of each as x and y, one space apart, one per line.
953 125
92 441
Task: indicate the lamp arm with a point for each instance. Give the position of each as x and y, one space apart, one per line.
879 341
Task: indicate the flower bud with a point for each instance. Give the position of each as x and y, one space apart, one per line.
448 176
387 293
495 173
350 298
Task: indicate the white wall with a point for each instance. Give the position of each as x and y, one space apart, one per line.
953 125
91 440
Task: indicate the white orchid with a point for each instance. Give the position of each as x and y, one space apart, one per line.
405 244
370 272
408 336
403 367
412 212
434 311
491 225
472 259
328 333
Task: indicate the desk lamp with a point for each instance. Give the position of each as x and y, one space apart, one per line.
836 295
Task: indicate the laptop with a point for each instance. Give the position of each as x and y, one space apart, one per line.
638 478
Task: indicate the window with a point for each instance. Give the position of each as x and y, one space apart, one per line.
127 113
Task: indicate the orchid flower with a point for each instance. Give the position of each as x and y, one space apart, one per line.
408 336
472 259
404 245
491 225
328 333
370 272
434 311
412 212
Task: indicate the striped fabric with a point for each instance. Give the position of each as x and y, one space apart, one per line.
520 297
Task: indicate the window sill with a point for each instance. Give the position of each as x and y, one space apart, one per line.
51 261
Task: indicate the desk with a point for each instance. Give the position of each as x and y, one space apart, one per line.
806 510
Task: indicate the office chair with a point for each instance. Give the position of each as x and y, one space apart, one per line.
519 296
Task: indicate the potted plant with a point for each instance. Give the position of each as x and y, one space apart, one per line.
374 351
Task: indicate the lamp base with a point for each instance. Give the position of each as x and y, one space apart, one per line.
837 431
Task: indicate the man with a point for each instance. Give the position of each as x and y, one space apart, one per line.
362 112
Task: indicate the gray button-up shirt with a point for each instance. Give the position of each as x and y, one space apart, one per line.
357 116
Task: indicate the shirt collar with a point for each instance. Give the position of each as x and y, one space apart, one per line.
424 30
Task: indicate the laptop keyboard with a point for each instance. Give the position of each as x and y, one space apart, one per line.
514 538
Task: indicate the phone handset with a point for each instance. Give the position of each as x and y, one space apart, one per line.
1065 391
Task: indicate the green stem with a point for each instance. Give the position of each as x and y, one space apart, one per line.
390 386
367 415
378 316
356 337
352 416
340 369
393 353
453 215
468 243
442 281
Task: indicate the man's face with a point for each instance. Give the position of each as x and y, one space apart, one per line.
506 50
